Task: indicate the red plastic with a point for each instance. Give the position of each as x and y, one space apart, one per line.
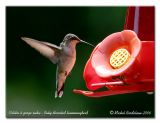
141 20
137 75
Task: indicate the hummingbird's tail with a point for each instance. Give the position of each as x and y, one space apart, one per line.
59 93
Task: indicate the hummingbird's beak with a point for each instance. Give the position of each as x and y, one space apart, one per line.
87 43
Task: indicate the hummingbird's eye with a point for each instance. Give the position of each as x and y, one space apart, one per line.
74 38
71 37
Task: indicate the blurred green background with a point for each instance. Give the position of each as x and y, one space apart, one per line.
30 77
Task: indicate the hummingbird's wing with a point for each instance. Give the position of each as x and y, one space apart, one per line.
48 50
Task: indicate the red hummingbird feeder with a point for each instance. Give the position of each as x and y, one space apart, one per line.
123 62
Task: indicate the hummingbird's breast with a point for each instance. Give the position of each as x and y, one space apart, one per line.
67 60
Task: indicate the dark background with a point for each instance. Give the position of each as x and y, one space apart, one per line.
30 77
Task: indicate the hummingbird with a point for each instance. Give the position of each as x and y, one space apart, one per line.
64 56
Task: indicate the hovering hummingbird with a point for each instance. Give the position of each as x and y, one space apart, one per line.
64 56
